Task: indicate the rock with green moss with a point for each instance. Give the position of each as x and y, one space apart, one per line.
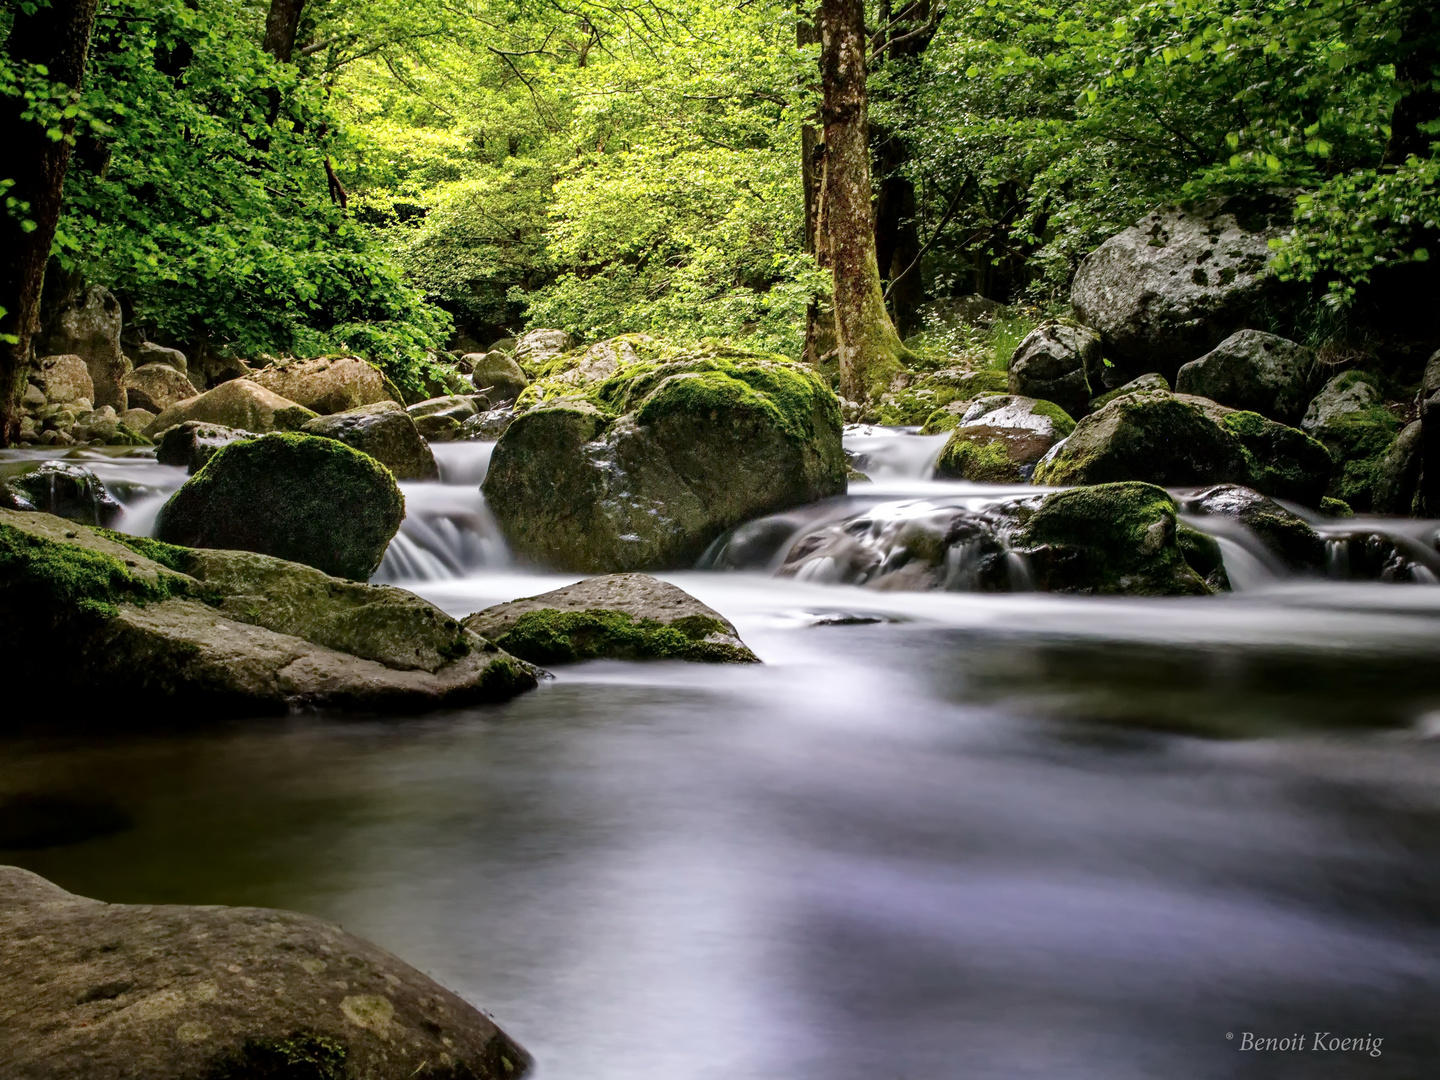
931 396
1397 479
1203 553
1000 437
238 403
384 431
618 617
195 442
202 633
67 490
1256 372
1054 363
648 467
1286 536
1177 440
171 992
1349 417
1150 381
297 497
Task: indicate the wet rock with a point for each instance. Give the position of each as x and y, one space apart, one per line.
150 353
1177 440
655 465
618 616
1253 371
1000 438
458 407
175 993
297 497
1287 536
238 403
385 432
497 376
64 379
438 428
537 346
1054 363
1151 381
89 327
328 384
194 442
489 425
1170 288
233 633
68 491
155 387
1371 556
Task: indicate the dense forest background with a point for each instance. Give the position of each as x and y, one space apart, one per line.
415 174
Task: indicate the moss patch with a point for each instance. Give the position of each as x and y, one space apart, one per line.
1064 425
1282 461
1336 507
172 555
983 462
551 636
53 579
1359 441
299 1056
1203 554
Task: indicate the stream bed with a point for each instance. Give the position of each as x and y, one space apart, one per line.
933 836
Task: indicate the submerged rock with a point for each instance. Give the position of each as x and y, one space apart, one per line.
194 442
1054 363
1170 288
385 432
1254 371
1177 440
172 992
68 491
655 463
1000 437
328 384
195 634
298 497
1287 536
620 617
238 403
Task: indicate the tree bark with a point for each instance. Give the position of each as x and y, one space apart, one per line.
1415 76
281 25
870 350
58 37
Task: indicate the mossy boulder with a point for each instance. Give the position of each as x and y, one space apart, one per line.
239 403
999 438
1255 372
1176 440
195 442
328 384
1397 479
68 491
1054 363
384 431
171 992
497 375
195 634
1288 537
1349 416
298 497
927 396
618 616
648 467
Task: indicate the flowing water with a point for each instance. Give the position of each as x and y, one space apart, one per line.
935 835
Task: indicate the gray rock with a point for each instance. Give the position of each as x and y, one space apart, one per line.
489 425
194 442
1170 288
150 353
328 384
1347 394
459 407
1053 364
619 616
1150 381
33 398
1287 536
137 419
170 992
1000 437
385 432
68 491
540 345
1255 371
89 327
497 376
155 387
238 403
64 379
104 426
438 428
202 634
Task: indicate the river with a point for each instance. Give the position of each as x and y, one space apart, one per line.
934 835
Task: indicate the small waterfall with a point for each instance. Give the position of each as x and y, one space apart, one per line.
892 453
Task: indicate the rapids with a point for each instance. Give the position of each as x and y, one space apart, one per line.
934 835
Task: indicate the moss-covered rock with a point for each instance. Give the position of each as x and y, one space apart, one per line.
1285 535
297 497
1350 418
644 469
197 633
68 491
1397 479
1177 440
619 616
195 442
1151 381
384 431
999 438
932 396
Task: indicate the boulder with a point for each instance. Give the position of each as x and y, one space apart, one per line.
88 326
1349 416
537 346
1427 490
1346 395
1287 536
194 442
64 379
1253 371
618 617
657 462
1000 437
1150 381
489 425
386 433
297 497
104 427
197 634
137 419
328 384
238 403
438 428
150 353
1173 286
459 407
155 387
1177 440
566 373
68 491
497 376
952 390
1397 480
171 992
1054 363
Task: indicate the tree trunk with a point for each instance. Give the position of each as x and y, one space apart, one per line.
1415 76
58 37
281 25
870 349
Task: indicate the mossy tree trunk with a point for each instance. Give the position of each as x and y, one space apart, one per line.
56 36
870 351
